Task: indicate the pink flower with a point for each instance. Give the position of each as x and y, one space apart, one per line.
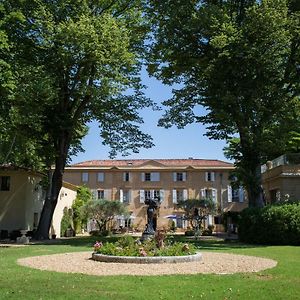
142 252
97 245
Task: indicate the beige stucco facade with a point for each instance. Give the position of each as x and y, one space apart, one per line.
22 201
281 180
66 198
107 179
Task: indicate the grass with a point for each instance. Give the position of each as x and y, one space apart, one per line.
282 282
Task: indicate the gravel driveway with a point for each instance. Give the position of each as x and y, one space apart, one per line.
212 262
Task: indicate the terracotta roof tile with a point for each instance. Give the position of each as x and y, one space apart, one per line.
166 162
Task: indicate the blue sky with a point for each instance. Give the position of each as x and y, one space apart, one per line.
169 143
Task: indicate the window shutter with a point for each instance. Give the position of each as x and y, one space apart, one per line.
100 177
174 196
174 176
161 195
206 176
212 174
121 196
214 195
84 177
241 194
229 193
155 176
210 220
107 195
184 176
142 196
143 176
151 194
129 196
185 194
124 176
202 194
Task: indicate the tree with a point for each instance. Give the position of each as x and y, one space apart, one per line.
197 210
240 60
104 211
76 61
84 195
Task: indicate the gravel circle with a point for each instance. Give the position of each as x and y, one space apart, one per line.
212 263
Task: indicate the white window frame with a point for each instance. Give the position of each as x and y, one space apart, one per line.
229 194
142 196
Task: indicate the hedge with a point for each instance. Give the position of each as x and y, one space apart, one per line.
273 224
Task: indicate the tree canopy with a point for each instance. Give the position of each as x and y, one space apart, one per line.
240 60
104 211
75 61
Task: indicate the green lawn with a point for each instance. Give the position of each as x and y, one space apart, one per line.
282 282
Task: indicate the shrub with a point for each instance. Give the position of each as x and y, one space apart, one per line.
66 222
128 246
189 233
274 224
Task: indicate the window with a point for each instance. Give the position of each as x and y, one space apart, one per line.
180 195
126 176
4 183
209 193
179 176
125 196
153 176
147 176
85 177
100 177
235 194
100 194
150 194
210 176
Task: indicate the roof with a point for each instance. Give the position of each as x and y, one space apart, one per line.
181 163
15 168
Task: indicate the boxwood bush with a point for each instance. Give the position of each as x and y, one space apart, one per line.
273 224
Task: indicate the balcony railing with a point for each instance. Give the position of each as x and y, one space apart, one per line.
286 159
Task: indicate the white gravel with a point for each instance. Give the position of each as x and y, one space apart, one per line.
212 262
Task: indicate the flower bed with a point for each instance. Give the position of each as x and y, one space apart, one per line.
127 249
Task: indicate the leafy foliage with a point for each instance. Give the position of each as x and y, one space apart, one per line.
104 211
240 61
128 246
195 210
66 222
275 224
83 196
74 61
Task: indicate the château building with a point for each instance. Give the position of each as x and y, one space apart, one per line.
172 180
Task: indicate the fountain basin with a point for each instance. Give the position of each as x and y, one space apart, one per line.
146 259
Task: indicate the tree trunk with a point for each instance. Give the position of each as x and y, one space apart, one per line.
250 168
56 184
